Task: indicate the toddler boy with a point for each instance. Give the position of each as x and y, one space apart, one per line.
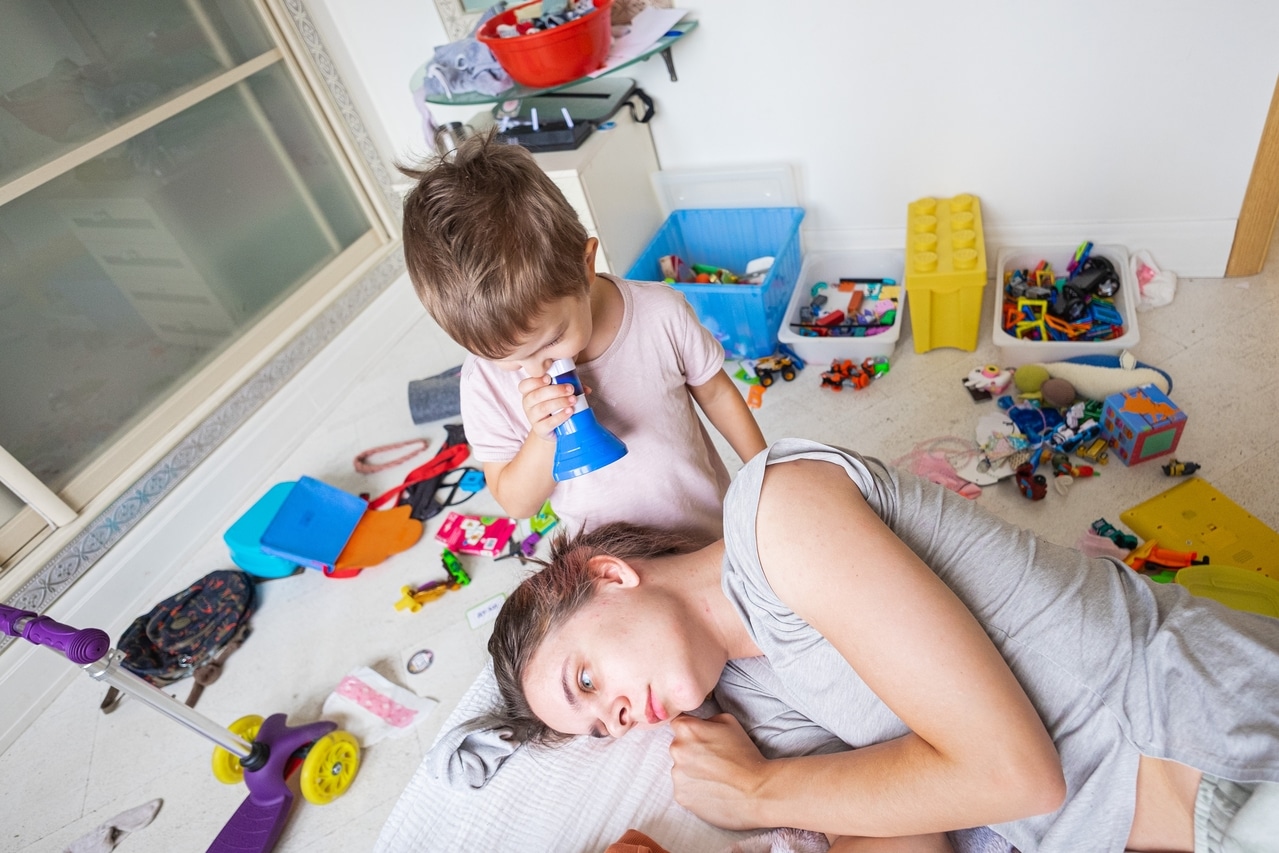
498 257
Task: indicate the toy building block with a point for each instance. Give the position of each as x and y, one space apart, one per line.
412 599
1141 423
945 271
453 566
544 520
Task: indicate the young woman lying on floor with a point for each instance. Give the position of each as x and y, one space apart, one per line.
976 674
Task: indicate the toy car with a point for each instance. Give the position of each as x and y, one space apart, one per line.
845 371
875 366
1094 451
766 368
1124 540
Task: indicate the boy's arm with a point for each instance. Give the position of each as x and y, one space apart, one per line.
522 484
725 408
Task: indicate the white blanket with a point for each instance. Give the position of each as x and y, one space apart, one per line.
582 796
576 798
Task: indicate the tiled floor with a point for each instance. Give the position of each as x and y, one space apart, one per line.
75 768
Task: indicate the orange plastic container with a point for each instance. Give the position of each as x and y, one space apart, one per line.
552 57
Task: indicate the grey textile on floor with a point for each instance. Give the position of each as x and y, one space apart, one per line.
468 755
436 397
106 836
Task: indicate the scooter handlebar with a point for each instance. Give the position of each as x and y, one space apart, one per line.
80 645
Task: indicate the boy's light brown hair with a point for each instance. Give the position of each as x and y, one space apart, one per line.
489 242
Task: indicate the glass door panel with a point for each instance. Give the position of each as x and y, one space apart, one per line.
73 69
122 278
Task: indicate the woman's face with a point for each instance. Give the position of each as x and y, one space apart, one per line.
625 660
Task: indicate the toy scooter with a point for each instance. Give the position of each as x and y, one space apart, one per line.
261 752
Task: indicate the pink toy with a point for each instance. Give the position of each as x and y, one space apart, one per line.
991 378
475 534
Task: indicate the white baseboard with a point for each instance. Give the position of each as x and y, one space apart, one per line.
1198 249
138 571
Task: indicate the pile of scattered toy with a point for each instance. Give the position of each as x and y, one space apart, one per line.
786 363
676 271
844 371
1089 408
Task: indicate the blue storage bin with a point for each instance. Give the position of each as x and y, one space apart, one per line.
744 317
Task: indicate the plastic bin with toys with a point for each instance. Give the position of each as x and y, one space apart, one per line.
1047 311
860 311
743 317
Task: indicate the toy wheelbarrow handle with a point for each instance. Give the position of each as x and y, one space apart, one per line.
81 646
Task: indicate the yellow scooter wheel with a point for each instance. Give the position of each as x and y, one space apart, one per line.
226 767
330 767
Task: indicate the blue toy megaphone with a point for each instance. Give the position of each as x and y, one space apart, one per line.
581 444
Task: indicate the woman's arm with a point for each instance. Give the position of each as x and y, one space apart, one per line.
977 752
728 412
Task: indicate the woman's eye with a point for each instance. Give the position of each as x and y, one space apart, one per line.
585 682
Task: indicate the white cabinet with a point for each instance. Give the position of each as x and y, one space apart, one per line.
607 180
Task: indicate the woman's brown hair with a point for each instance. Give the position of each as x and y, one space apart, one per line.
543 601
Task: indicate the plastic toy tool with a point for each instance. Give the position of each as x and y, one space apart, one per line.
581 444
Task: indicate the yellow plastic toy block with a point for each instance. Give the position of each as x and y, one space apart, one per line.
945 271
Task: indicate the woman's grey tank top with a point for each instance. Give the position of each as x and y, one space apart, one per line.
1116 665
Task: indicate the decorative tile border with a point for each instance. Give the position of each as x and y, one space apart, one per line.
57 575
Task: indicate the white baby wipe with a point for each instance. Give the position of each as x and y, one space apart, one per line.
372 708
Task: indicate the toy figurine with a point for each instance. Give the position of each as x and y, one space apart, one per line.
1033 486
1177 468
988 381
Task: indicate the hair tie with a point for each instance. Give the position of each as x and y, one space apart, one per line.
364 466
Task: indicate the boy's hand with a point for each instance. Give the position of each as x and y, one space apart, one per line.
546 404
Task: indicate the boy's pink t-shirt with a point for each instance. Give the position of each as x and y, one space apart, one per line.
671 476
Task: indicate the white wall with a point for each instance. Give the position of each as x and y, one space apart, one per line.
1130 121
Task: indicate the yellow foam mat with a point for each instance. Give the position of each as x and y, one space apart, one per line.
1194 516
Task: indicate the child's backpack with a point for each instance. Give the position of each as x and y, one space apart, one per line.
190 633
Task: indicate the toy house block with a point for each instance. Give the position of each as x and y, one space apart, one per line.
1141 423
945 272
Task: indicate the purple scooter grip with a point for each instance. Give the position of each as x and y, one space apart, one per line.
81 646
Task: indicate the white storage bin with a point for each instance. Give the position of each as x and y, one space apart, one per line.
831 267
1015 352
